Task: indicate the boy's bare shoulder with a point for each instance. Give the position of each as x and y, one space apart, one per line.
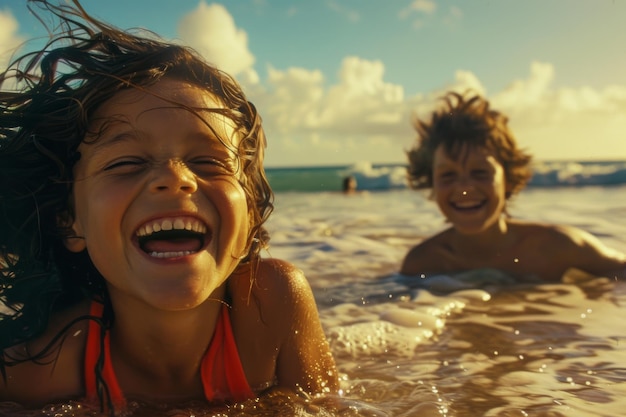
549 234
573 248
426 256
58 371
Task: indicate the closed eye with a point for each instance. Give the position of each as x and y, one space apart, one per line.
481 173
446 176
208 165
124 163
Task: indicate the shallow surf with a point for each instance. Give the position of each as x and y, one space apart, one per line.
476 345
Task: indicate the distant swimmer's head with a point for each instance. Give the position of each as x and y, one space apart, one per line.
465 124
349 184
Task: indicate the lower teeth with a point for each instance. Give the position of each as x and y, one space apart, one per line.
170 254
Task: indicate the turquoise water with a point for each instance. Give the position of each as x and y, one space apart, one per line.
310 179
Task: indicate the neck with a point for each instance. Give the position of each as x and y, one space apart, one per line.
166 345
492 238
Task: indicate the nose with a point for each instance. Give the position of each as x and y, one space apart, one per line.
465 184
174 176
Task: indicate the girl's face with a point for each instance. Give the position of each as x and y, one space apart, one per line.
471 190
157 197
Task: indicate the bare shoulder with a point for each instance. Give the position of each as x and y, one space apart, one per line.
426 256
269 278
304 360
279 273
274 284
556 234
53 359
277 309
574 248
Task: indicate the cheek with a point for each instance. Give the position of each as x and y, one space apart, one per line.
98 211
231 202
439 190
244 213
440 199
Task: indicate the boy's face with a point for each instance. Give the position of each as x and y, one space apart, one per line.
157 197
471 190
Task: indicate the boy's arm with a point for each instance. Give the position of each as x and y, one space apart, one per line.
591 255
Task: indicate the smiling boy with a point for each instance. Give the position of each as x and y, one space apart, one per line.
470 160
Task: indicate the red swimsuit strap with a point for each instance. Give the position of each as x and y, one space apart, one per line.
223 376
92 354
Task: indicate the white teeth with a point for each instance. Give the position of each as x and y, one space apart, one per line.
465 204
172 224
171 254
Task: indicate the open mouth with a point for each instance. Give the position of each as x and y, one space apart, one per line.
172 237
468 205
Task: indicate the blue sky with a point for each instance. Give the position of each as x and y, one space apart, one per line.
337 81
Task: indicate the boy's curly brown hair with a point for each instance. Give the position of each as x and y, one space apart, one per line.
467 121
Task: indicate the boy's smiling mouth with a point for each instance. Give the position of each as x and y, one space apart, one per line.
172 237
468 204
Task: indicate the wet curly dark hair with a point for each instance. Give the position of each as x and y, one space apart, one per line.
466 120
44 116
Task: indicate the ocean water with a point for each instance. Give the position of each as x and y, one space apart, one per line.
470 346
393 176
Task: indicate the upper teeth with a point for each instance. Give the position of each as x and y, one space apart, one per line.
466 204
178 223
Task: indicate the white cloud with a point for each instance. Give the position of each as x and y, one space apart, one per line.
364 117
9 40
211 30
310 120
361 103
530 92
564 123
465 81
292 99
